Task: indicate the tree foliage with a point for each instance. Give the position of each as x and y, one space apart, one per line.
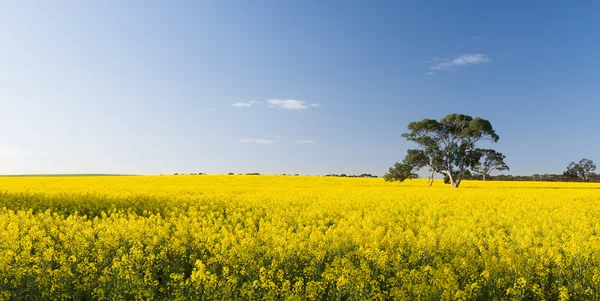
400 172
490 161
364 175
582 170
448 146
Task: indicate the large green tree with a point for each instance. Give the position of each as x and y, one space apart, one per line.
448 146
582 170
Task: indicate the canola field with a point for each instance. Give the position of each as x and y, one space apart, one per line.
296 238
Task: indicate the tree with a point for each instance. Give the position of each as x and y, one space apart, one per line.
582 170
447 146
490 160
466 176
400 172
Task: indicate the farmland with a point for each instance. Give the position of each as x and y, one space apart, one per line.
296 238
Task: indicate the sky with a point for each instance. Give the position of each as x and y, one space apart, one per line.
308 87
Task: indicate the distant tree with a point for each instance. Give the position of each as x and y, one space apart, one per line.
490 160
231 174
364 175
400 172
582 170
448 146
176 174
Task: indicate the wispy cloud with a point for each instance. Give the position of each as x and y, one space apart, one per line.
465 59
288 104
242 104
303 141
429 73
256 141
433 61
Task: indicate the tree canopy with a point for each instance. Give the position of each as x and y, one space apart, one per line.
490 161
448 146
582 170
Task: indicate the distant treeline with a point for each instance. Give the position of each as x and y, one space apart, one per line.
592 177
541 177
582 171
189 174
365 175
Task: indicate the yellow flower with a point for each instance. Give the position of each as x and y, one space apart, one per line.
278 237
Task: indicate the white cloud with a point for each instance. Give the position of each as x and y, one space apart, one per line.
429 73
289 104
256 141
304 141
465 59
242 105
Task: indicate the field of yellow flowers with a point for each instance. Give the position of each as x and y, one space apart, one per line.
296 238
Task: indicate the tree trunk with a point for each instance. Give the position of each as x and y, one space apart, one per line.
431 178
453 182
457 183
484 177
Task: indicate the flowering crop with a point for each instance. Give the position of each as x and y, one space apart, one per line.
296 238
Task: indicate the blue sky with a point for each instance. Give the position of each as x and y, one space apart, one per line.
309 87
